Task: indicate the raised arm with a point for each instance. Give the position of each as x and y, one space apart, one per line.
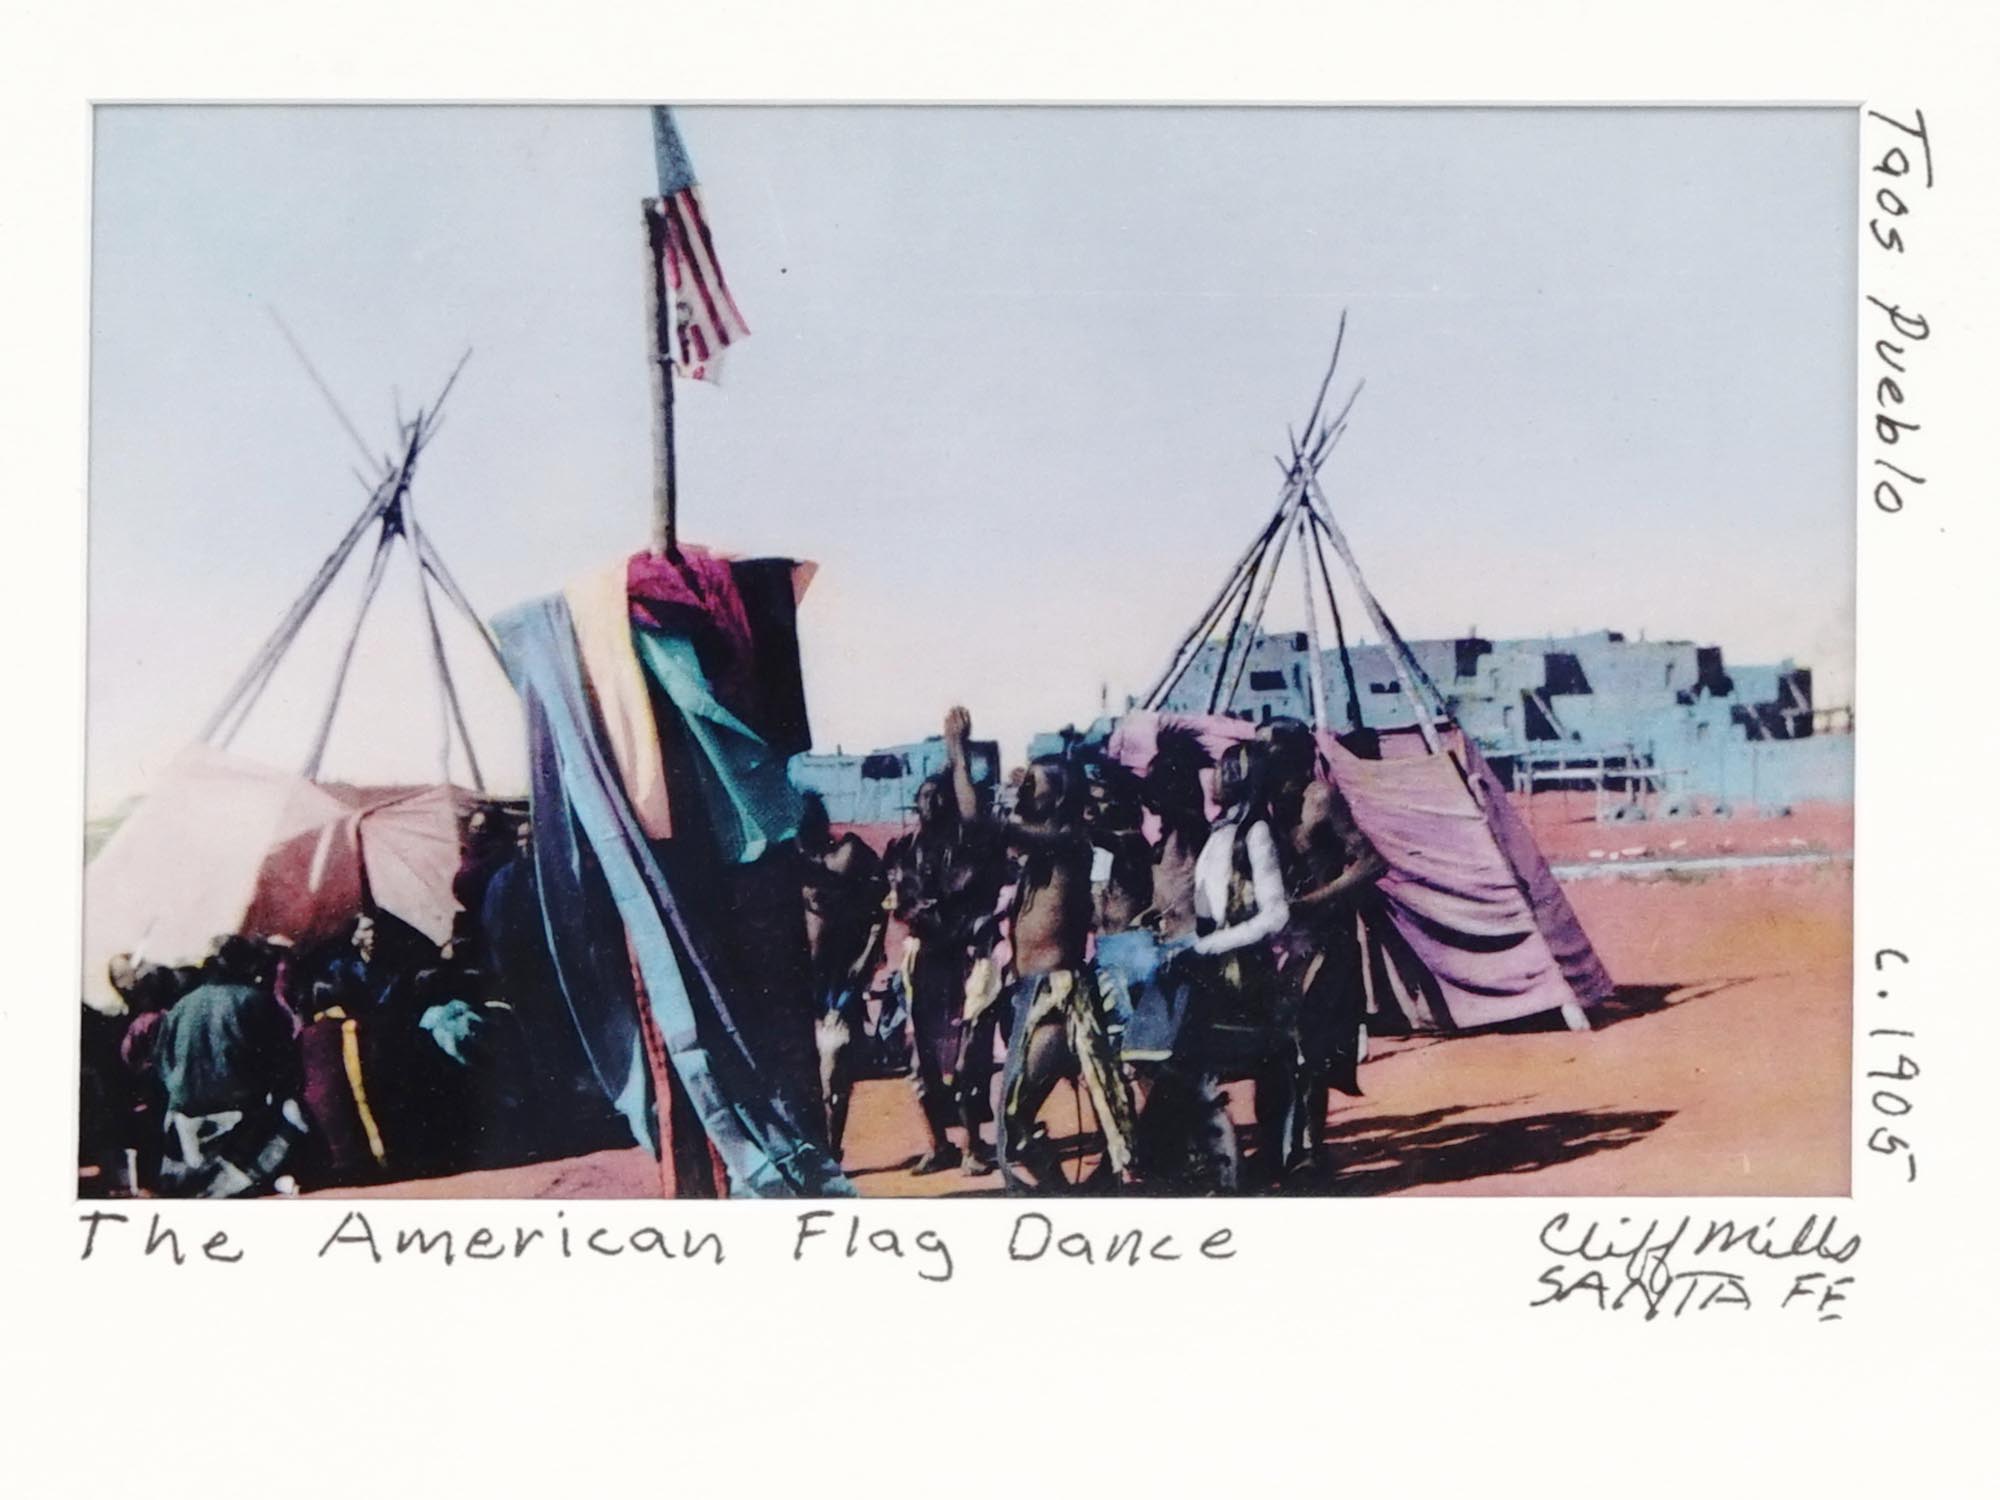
1042 840
1267 883
871 951
957 730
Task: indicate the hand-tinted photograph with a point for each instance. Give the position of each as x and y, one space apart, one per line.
824 652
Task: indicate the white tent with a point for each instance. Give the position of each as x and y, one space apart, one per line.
224 845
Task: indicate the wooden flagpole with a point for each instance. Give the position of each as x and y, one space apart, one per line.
661 316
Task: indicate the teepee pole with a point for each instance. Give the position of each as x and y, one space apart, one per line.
392 526
1186 657
1354 719
1319 401
250 683
444 715
280 639
446 686
1398 653
1276 555
1264 543
376 569
1330 434
450 689
1317 668
1417 666
319 383
222 736
1191 642
433 562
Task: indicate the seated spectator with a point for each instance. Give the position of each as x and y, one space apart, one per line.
346 1144
225 1065
464 1086
380 958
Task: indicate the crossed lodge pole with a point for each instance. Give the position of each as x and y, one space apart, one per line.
1304 509
389 511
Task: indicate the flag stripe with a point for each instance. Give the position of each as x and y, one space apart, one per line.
706 318
707 271
706 245
689 270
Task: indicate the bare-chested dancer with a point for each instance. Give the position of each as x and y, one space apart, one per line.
1058 1019
843 891
1121 860
1173 791
944 882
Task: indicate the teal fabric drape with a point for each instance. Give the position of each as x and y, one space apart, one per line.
749 800
608 906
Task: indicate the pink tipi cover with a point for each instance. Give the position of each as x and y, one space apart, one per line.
225 845
1467 890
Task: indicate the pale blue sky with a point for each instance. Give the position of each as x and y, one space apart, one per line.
1015 383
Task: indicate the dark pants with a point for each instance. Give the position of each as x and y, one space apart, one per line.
1332 1006
1240 1024
937 1001
761 940
841 1024
1042 1059
1279 1089
1186 1141
972 1080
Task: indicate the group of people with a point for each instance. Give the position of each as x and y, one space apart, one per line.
377 1054
1098 928
1103 930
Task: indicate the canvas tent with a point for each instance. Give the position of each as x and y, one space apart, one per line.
1469 927
222 844
225 845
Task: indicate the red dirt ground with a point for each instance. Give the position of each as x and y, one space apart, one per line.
1565 826
1722 1067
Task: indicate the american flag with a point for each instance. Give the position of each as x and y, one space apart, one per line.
706 320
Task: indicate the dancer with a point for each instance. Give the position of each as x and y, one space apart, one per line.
1241 907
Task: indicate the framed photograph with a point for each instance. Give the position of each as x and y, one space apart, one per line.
743 704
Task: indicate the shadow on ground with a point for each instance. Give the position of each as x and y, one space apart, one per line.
1627 1003
1371 1155
1631 1001
1391 1153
